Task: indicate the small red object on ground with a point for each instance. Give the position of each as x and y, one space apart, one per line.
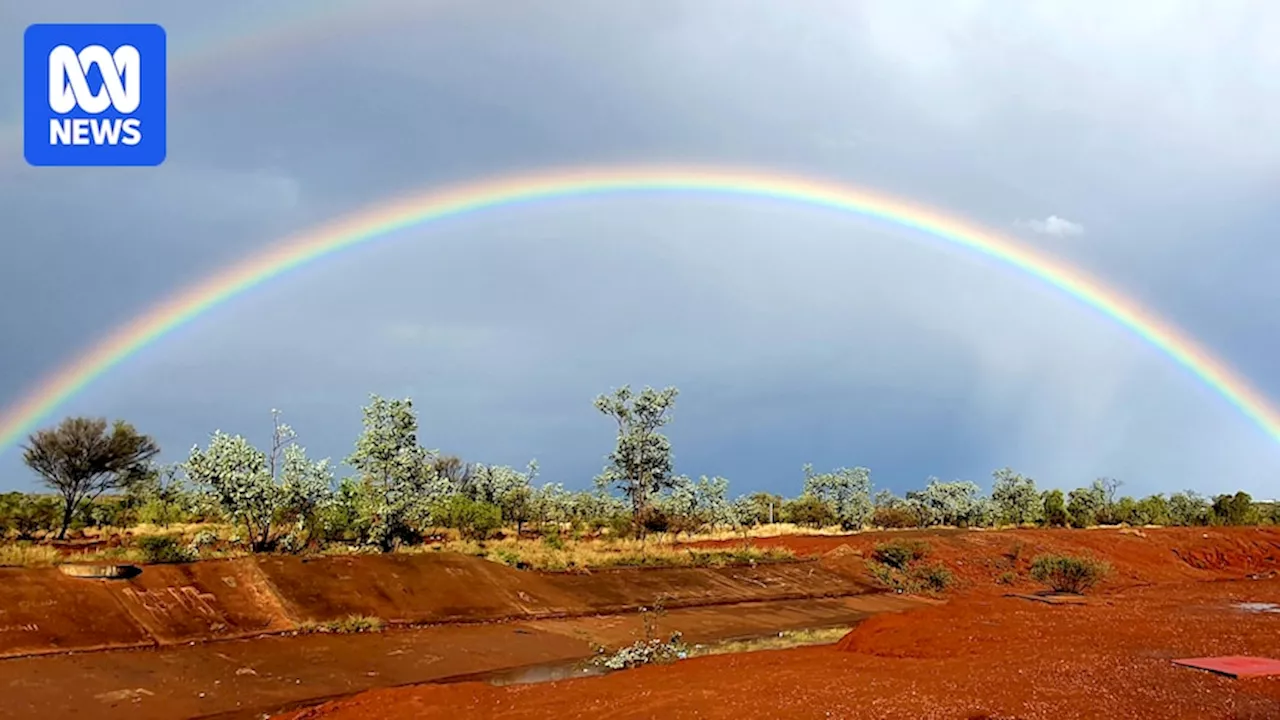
1236 666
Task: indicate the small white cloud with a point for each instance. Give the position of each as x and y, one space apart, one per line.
1054 226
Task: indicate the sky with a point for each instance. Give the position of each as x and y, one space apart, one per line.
1135 141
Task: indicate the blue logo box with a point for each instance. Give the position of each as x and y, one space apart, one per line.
94 94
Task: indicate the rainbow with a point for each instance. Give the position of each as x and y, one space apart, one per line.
383 219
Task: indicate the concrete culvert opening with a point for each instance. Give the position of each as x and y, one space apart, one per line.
101 571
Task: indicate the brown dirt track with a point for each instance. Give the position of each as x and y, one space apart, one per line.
982 655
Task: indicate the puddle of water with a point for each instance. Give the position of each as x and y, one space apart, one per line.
529 674
1259 607
582 668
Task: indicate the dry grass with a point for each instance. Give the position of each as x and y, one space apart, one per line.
347 625
772 530
27 555
570 554
782 641
550 553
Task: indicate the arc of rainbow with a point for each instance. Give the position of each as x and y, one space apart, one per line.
380 220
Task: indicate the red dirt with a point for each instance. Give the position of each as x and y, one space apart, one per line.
981 655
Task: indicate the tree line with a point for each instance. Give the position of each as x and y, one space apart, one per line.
399 492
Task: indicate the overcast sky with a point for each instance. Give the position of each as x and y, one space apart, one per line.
1134 140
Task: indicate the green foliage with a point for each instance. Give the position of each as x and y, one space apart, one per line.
1188 509
350 624
1016 498
950 503
1084 504
474 519
692 505
640 464
898 554
847 491
398 484
28 515
761 508
1152 510
1055 509
157 549
932 578
1235 509
808 511
81 459
159 496
263 491
238 475
1068 574
895 516
510 490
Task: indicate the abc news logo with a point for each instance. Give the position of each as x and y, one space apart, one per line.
94 94
69 89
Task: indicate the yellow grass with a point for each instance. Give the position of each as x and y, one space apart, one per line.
570 554
27 555
349 624
781 641
553 553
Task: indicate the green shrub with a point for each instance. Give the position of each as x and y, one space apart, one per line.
895 517
1007 578
157 549
553 541
1069 574
473 519
900 553
933 578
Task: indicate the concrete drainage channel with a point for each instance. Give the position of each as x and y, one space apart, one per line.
101 572
110 638
573 669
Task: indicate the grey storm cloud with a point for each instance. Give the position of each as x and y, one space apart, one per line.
796 334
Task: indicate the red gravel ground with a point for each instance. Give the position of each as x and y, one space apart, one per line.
982 655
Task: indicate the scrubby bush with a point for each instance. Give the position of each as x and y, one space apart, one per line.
644 652
896 516
1055 509
28 515
158 549
808 511
898 554
932 578
1068 574
474 520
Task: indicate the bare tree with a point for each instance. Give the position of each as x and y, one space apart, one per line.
80 460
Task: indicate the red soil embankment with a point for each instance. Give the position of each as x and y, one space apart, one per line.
1137 555
201 601
43 611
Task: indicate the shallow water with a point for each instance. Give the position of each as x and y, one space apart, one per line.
1259 607
547 672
